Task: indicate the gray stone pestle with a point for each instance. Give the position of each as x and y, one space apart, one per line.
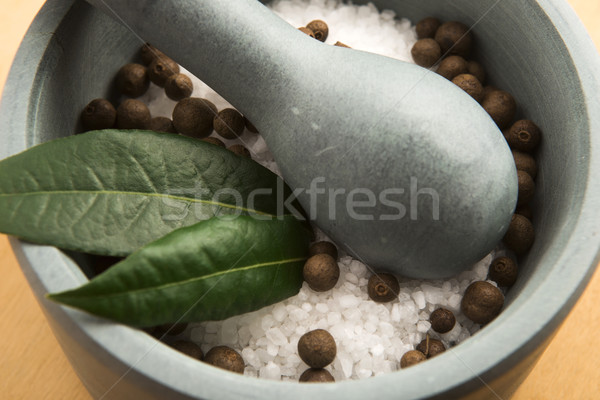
396 164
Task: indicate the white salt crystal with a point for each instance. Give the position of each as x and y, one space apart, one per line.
423 326
377 350
270 371
297 314
386 329
350 277
307 307
228 333
346 364
272 349
419 298
322 308
276 336
349 301
334 318
279 312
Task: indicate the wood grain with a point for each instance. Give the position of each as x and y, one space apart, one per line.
33 366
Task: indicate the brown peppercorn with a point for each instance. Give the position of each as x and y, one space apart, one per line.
321 272
240 150
214 140
193 117
319 28
452 66
411 358
427 27
133 114
340 44
161 124
520 234
442 320
226 358
525 211
98 114
170 329
482 302
501 106
161 68
316 375
426 52
149 53
524 136
503 271
250 126
317 348
323 247
455 38
476 69
525 162
229 123
431 347
188 348
307 31
489 89
132 80
178 87
470 84
383 287
526 188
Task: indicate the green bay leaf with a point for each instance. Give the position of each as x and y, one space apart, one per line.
208 271
110 192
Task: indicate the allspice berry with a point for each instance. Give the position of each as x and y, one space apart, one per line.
501 106
98 114
132 80
317 348
431 347
319 28
229 123
316 375
383 287
133 114
426 52
427 27
193 117
321 272
411 358
520 234
482 302
240 150
489 89
250 126
470 84
178 87
214 140
161 68
454 37
442 320
525 162
188 348
503 271
307 31
476 69
323 247
149 53
161 124
226 358
526 188
452 66
523 135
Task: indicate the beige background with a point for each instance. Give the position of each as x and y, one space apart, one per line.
32 365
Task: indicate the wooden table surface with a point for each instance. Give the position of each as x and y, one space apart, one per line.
32 365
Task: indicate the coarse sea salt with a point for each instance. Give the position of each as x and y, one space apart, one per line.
371 337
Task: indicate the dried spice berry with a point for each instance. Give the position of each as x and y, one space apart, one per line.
161 124
132 80
427 27
525 211
240 150
520 234
229 123
482 302
194 117
149 53
169 329
323 247
321 272
133 114
526 188
426 52
307 31
503 271
214 140
178 87
501 106
340 44
411 358
161 68
316 375
476 69
452 66
470 84
431 347
442 320
188 348
454 38
489 89
319 28
98 114
250 126
525 162
317 348
524 136
226 358
383 287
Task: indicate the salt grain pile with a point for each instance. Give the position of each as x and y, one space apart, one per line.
371 337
